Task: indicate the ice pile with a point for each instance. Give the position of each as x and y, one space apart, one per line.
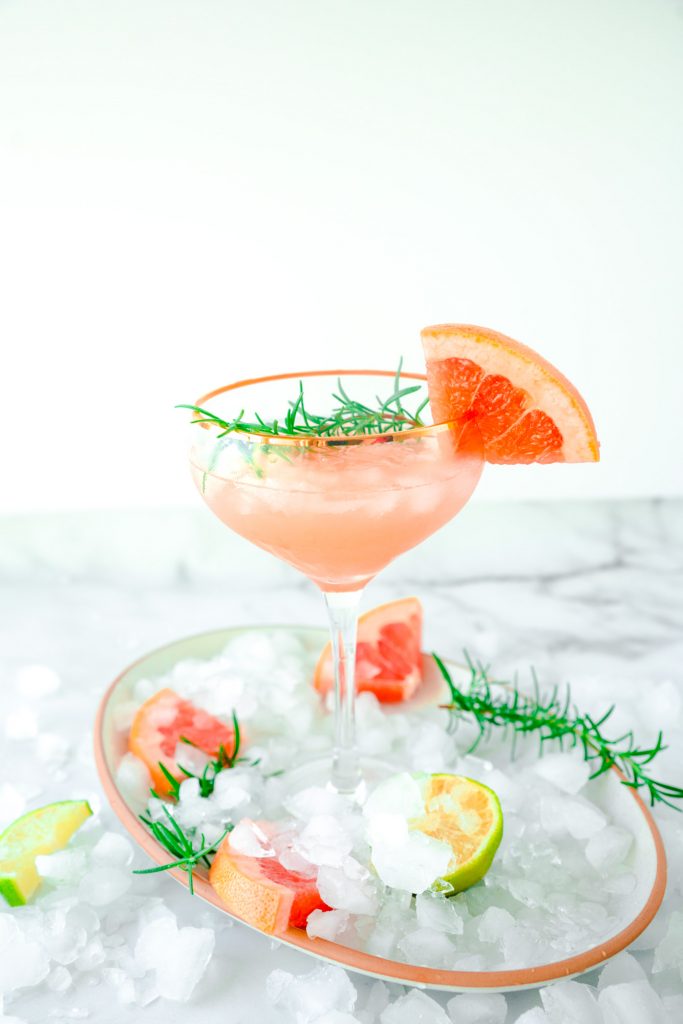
93 921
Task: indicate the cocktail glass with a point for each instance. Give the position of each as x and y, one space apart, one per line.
337 508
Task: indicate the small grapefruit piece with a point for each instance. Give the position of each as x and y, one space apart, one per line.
525 409
158 726
260 891
43 831
388 658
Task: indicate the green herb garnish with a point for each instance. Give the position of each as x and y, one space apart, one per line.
348 417
555 718
180 844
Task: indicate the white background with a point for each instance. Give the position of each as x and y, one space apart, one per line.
192 191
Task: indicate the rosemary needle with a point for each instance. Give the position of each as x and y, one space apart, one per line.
555 718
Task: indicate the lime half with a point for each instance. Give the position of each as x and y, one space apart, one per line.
467 816
42 831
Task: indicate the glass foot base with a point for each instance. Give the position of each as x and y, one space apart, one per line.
318 772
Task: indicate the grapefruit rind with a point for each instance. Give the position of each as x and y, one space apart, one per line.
548 389
42 831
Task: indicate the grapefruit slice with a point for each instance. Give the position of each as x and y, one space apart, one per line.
158 726
388 659
43 831
525 409
260 891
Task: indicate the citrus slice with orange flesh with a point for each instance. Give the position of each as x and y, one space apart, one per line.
260 891
158 727
438 832
525 409
388 658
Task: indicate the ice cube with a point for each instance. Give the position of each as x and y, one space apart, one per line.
401 794
568 772
91 955
669 951
378 999
61 866
349 887
333 1017
438 912
533 1016
327 924
133 779
674 1007
23 962
414 1008
324 841
122 983
621 968
308 996
231 790
493 924
315 800
37 681
570 1002
411 862
21 724
427 947
248 838
583 819
184 962
114 849
103 885
521 947
608 847
51 748
477 1009
59 980
631 1002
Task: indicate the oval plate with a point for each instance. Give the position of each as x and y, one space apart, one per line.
625 807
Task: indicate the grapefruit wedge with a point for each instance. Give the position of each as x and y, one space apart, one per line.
525 409
158 726
260 891
388 659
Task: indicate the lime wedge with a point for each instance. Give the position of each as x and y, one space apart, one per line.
467 816
45 830
437 832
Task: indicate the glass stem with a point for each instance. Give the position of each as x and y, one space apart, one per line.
342 609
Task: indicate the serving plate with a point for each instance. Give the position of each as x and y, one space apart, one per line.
648 862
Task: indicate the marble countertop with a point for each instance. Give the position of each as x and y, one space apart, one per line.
586 592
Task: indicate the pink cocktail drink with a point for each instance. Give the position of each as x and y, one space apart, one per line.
340 513
335 503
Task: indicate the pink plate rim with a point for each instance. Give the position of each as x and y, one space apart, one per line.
366 963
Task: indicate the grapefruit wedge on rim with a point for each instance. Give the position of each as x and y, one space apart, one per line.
525 409
388 658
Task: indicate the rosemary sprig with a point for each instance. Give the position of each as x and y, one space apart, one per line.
180 844
555 718
348 416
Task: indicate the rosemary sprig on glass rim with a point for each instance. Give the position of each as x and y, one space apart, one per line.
555 718
349 417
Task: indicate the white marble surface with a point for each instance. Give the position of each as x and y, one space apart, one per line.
587 592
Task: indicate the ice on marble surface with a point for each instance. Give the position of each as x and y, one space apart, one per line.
631 1002
533 1016
414 1007
477 1008
669 950
61 866
309 996
21 724
570 1002
103 885
113 848
23 961
621 968
12 804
